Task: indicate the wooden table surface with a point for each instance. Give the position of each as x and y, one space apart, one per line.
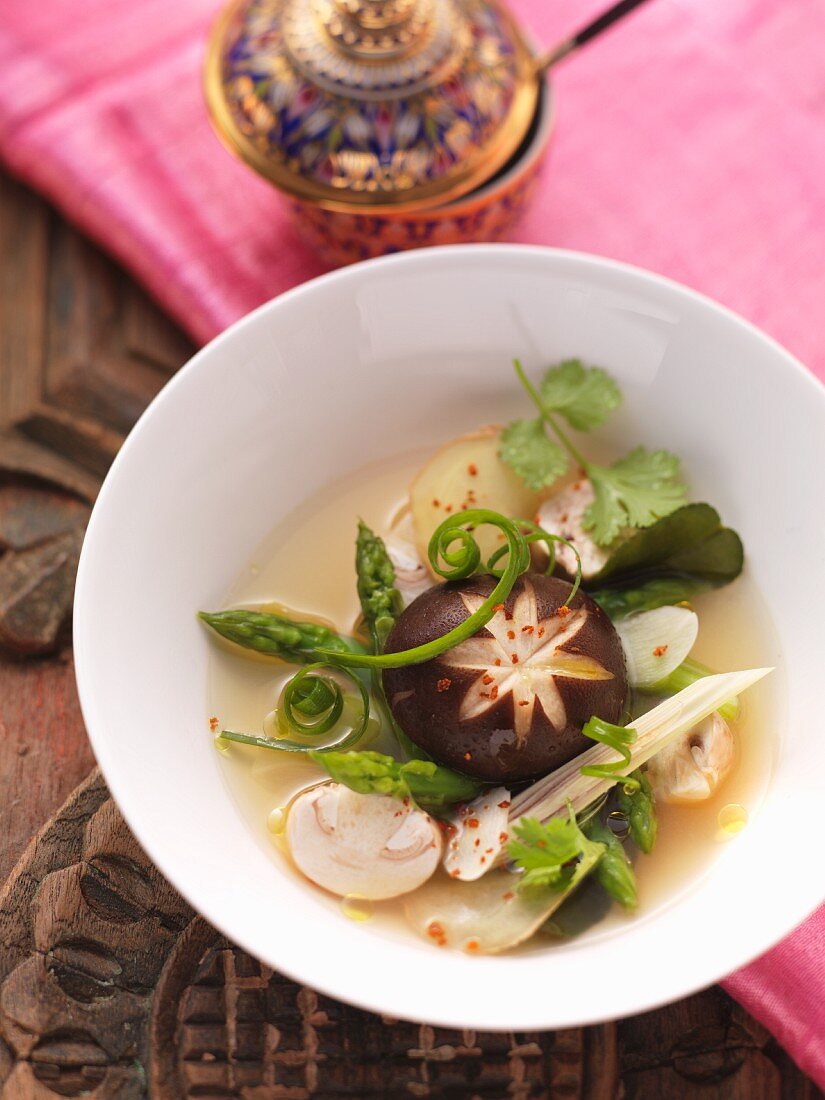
82 351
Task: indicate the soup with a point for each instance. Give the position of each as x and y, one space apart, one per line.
305 572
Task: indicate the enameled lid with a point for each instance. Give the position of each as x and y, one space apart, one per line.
371 102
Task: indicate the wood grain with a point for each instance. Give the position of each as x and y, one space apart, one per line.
109 986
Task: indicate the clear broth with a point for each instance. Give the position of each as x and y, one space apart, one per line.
307 564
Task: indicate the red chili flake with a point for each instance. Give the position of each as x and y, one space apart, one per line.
524 702
476 843
472 945
484 695
494 692
487 851
563 611
514 657
502 837
508 896
508 616
499 607
505 805
498 660
660 651
449 830
511 634
213 723
483 859
444 684
473 822
527 629
472 469
564 518
468 756
436 503
487 678
577 487
398 813
455 872
541 632
448 507
436 930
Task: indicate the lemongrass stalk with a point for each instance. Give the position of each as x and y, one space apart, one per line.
567 786
687 673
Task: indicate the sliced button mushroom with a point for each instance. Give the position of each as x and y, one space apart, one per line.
693 767
563 514
366 844
478 833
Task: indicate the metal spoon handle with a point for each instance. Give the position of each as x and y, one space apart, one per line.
601 23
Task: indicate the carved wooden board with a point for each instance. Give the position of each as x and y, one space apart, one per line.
110 987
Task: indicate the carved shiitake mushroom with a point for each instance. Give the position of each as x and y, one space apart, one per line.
509 703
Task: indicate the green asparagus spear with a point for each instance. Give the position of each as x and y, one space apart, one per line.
277 636
613 871
638 806
380 599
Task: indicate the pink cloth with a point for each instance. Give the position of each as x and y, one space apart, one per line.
690 141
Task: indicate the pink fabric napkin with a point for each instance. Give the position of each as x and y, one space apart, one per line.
691 141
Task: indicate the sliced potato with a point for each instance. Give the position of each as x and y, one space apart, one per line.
467 473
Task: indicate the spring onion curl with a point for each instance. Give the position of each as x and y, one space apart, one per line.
618 738
534 533
454 555
312 705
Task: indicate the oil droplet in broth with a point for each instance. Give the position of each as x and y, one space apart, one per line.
732 819
276 821
356 908
221 744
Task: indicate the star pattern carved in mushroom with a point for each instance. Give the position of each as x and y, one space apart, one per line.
522 657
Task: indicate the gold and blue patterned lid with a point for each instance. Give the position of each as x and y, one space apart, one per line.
371 102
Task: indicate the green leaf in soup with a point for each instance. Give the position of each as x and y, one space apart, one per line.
635 491
527 449
619 602
584 396
689 541
582 909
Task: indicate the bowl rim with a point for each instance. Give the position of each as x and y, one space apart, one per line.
749 947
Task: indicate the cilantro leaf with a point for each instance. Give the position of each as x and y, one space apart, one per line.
634 492
584 396
431 786
549 855
526 448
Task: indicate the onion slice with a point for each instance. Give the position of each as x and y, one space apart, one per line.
656 642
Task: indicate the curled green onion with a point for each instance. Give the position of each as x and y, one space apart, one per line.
533 532
619 739
454 554
312 705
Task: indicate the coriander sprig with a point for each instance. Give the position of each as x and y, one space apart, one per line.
635 491
551 854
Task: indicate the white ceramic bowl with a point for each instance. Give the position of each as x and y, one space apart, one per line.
367 362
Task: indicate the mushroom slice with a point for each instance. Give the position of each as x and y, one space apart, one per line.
656 642
563 514
691 768
480 834
411 575
366 844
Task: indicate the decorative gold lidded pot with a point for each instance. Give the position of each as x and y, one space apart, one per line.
388 123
